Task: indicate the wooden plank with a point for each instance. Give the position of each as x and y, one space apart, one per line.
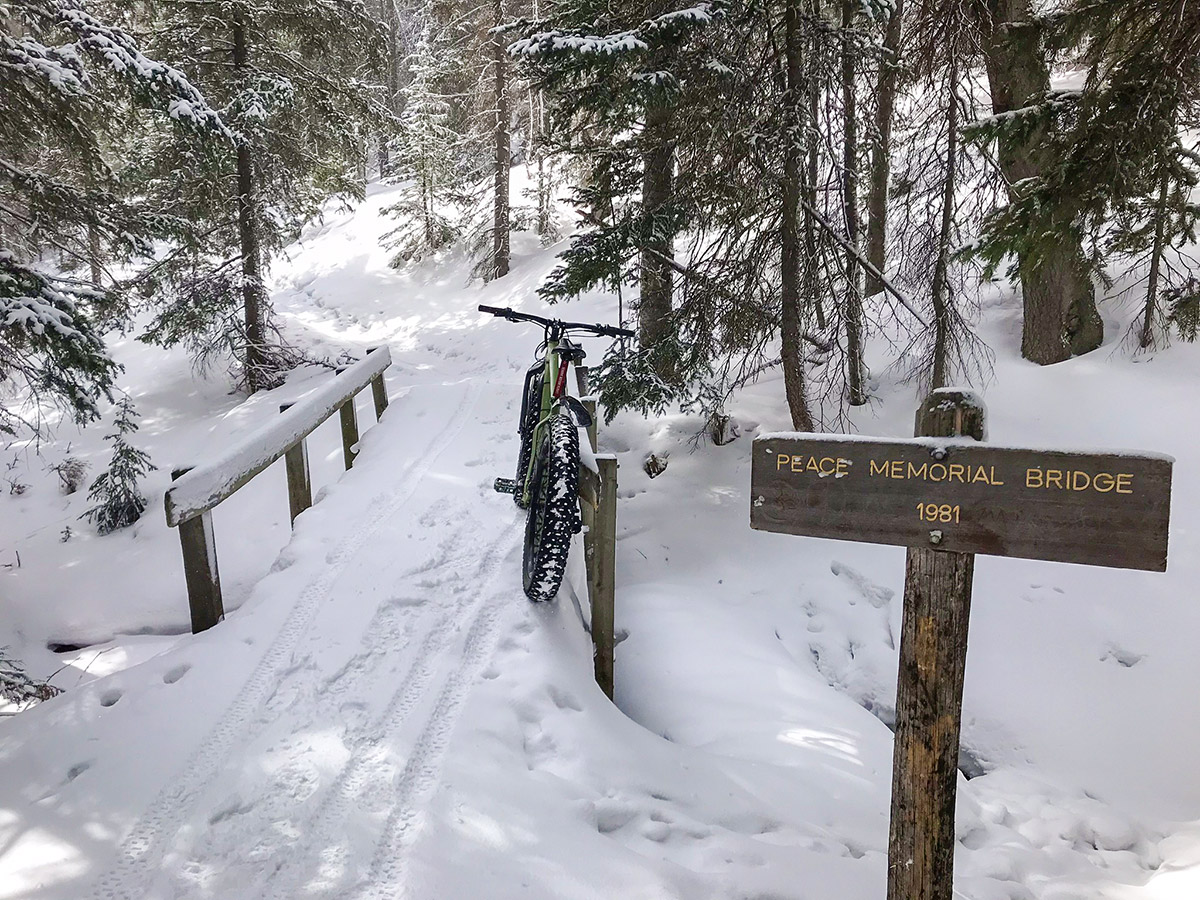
206 485
349 416
1102 509
604 604
200 570
583 381
933 659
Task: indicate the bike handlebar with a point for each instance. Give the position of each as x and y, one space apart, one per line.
513 316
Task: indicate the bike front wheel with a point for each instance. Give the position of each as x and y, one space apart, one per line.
553 516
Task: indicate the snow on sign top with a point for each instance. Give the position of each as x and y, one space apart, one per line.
1094 508
206 485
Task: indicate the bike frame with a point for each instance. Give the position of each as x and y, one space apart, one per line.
554 387
560 354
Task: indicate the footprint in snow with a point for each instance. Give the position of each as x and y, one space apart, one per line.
1126 658
875 594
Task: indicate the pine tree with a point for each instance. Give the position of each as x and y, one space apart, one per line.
429 152
116 492
943 187
502 141
294 80
735 144
69 85
852 304
1139 173
1041 229
605 66
887 86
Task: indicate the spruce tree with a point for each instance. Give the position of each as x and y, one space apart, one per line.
294 80
70 85
1041 229
431 159
1137 170
117 492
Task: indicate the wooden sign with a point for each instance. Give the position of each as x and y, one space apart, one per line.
947 496
1099 509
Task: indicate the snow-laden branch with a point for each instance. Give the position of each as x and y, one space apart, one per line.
633 40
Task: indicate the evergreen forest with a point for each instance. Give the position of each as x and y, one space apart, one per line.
767 183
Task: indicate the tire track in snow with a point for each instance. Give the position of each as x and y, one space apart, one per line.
265 826
387 878
371 765
141 852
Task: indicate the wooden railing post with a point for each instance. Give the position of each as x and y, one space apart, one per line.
605 559
378 392
200 568
349 417
298 481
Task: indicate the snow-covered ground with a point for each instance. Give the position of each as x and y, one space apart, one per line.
382 714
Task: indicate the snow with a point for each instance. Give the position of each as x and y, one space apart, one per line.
557 42
383 714
936 443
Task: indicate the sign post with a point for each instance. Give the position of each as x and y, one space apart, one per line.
929 689
947 495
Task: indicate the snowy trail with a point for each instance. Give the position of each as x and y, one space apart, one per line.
383 714
328 727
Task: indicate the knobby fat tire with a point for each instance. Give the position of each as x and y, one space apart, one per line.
553 516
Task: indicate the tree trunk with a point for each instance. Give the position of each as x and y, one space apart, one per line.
253 294
940 293
500 223
95 254
881 153
658 162
1060 317
791 351
812 289
384 157
546 228
392 81
1156 255
853 306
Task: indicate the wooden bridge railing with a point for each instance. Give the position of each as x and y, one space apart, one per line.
196 490
598 506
